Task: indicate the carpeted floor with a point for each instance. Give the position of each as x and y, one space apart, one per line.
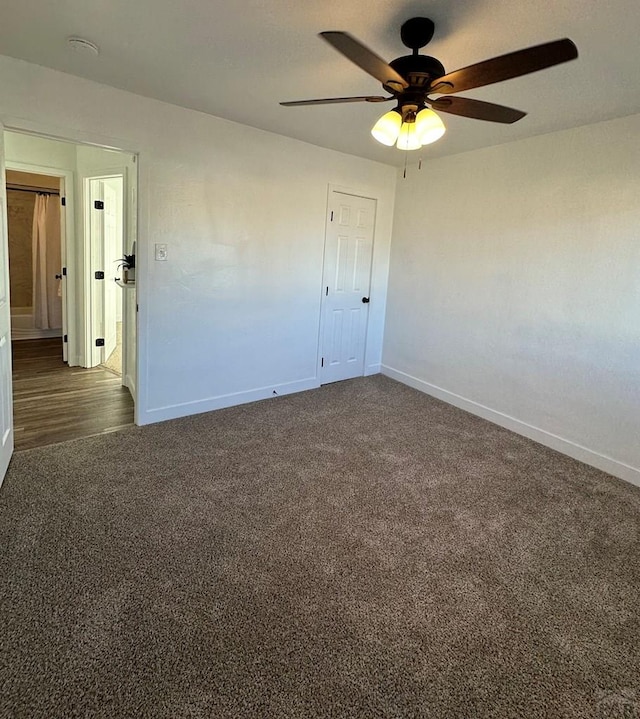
357 551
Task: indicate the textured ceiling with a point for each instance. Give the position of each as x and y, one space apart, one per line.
238 60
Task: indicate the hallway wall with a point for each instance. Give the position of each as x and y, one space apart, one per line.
233 314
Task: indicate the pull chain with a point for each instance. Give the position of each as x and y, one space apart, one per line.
404 174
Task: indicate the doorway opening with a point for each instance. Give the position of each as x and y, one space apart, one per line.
71 221
35 255
104 227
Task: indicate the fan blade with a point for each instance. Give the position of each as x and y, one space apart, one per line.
366 59
513 64
477 109
334 100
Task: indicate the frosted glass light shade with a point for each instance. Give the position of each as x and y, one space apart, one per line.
429 127
387 129
408 138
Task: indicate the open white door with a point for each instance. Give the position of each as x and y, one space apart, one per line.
106 248
6 398
63 270
112 253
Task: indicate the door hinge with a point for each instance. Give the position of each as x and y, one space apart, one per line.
64 271
98 204
326 294
322 362
65 338
63 201
100 342
331 215
99 275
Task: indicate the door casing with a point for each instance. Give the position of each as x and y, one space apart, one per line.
70 353
6 382
38 128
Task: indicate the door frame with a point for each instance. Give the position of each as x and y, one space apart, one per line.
367 195
11 123
68 253
6 379
87 297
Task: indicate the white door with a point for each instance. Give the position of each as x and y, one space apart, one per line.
6 398
347 276
105 245
112 253
63 270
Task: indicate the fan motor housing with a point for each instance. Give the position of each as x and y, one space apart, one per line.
418 70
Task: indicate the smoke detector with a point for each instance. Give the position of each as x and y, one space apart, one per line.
82 46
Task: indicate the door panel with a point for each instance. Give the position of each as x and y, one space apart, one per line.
106 252
112 253
96 244
6 395
63 270
347 277
335 346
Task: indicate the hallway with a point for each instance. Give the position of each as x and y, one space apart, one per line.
53 402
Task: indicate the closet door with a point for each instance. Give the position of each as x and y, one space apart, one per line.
6 396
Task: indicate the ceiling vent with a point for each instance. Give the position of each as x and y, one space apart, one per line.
80 45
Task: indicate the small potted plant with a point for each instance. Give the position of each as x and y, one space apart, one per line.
128 265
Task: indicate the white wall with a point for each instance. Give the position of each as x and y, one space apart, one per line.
514 288
40 151
234 312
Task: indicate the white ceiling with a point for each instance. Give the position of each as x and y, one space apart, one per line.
237 60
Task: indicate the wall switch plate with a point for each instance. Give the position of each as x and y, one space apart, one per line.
161 251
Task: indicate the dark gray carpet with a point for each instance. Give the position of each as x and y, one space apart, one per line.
356 551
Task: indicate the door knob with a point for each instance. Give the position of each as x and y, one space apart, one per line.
58 277
365 300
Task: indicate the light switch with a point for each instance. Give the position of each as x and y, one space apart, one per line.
161 251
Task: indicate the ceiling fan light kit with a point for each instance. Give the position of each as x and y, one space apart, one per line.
408 138
429 126
411 79
387 129
408 131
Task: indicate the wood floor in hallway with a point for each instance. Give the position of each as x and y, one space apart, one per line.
53 402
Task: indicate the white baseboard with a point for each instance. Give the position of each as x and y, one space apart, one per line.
5 458
160 414
565 446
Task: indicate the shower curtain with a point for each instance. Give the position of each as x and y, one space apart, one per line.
47 261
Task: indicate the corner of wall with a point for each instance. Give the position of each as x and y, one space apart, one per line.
548 439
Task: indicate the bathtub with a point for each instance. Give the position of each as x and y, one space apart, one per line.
22 325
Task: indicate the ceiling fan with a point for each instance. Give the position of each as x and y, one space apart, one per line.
411 79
